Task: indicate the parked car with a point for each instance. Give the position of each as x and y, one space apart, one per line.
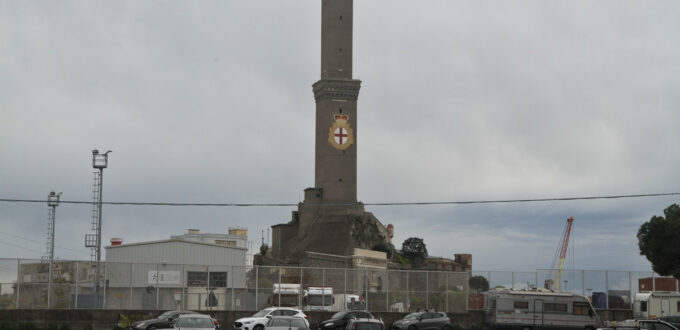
286 323
674 320
339 320
365 324
423 321
653 324
259 320
165 320
194 321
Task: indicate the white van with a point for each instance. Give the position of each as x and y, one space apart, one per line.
539 309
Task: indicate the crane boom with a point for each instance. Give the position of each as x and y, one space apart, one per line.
555 280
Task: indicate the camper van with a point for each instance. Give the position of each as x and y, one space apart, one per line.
656 304
538 309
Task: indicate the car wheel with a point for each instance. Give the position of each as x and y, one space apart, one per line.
526 328
258 327
446 327
151 327
412 327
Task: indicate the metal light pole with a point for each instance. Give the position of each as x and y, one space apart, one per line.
100 162
52 202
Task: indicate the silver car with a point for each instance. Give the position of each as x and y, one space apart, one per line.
194 322
286 323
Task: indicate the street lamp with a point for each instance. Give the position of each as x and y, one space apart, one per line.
100 162
52 202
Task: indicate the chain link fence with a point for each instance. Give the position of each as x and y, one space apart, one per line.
24 284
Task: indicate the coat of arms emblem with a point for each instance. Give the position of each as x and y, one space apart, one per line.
340 134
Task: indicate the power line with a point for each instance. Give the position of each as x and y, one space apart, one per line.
21 247
32 240
552 199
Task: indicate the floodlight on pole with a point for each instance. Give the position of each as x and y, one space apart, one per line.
100 161
52 202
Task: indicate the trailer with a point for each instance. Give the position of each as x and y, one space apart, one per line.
656 304
539 309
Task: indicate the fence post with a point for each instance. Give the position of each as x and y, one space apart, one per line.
606 286
427 290
446 291
583 282
344 295
366 286
387 290
257 282
301 286
323 289
535 283
279 287
104 285
157 289
233 298
183 276
512 277
408 295
467 291
131 275
630 288
77 276
17 291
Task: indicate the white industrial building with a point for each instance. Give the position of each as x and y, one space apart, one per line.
193 271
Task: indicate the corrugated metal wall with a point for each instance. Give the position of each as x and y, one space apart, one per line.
135 264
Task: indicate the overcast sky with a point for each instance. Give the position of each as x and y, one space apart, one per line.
211 102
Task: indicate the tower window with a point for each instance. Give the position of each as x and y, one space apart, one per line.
340 179
341 17
340 110
339 49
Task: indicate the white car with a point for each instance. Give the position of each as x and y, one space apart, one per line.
259 320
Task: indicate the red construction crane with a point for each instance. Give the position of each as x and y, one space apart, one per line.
555 279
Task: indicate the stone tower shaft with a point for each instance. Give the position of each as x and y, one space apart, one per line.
336 106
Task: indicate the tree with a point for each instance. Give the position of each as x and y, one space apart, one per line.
478 284
414 249
658 241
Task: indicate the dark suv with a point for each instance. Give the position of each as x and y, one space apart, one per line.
674 320
423 321
339 320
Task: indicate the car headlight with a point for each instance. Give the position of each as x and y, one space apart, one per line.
247 322
329 324
141 324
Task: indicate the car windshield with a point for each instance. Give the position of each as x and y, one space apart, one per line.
413 316
338 315
278 322
194 322
165 315
298 323
368 326
262 313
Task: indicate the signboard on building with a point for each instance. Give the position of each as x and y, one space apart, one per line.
164 277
